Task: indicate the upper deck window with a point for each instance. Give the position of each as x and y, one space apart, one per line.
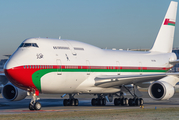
77 48
28 45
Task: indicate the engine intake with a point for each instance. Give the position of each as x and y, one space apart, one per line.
161 90
12 93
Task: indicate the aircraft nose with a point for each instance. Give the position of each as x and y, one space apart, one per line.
10 64
17 75
9 70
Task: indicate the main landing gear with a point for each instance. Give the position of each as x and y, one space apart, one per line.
135 101
131 102
100 101
71 101
121 100
34 104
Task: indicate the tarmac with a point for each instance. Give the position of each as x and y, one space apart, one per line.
54 103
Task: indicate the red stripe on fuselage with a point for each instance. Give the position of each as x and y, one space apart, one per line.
22 76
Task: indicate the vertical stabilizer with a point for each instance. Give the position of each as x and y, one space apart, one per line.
164 40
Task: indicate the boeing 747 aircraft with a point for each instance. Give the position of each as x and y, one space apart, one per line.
43 65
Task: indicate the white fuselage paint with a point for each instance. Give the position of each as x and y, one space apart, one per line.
83 55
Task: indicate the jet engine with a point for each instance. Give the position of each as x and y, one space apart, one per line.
161 90
12 93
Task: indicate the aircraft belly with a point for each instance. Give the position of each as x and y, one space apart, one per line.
65 83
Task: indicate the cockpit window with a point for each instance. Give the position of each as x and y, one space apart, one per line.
28 45
34 45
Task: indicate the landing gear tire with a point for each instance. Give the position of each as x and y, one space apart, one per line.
70 102
117 101
76 102
123 101
31 107
126 101
130 102
65 102
137 102
98 102
103 101
34 104
93 102
37 106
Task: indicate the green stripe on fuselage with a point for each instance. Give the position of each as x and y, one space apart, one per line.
36 77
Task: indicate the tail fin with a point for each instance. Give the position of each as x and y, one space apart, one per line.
164 40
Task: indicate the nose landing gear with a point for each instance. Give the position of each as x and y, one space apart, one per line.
34 104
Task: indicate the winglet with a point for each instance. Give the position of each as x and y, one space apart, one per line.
164 40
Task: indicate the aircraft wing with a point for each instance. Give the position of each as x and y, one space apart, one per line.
117 80
174 62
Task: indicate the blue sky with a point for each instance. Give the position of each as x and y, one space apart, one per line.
117 24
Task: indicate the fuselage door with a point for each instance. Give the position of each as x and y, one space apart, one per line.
118 67
140 68
71 48
59 67
88 67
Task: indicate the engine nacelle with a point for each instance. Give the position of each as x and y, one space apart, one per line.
161 90
12 93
